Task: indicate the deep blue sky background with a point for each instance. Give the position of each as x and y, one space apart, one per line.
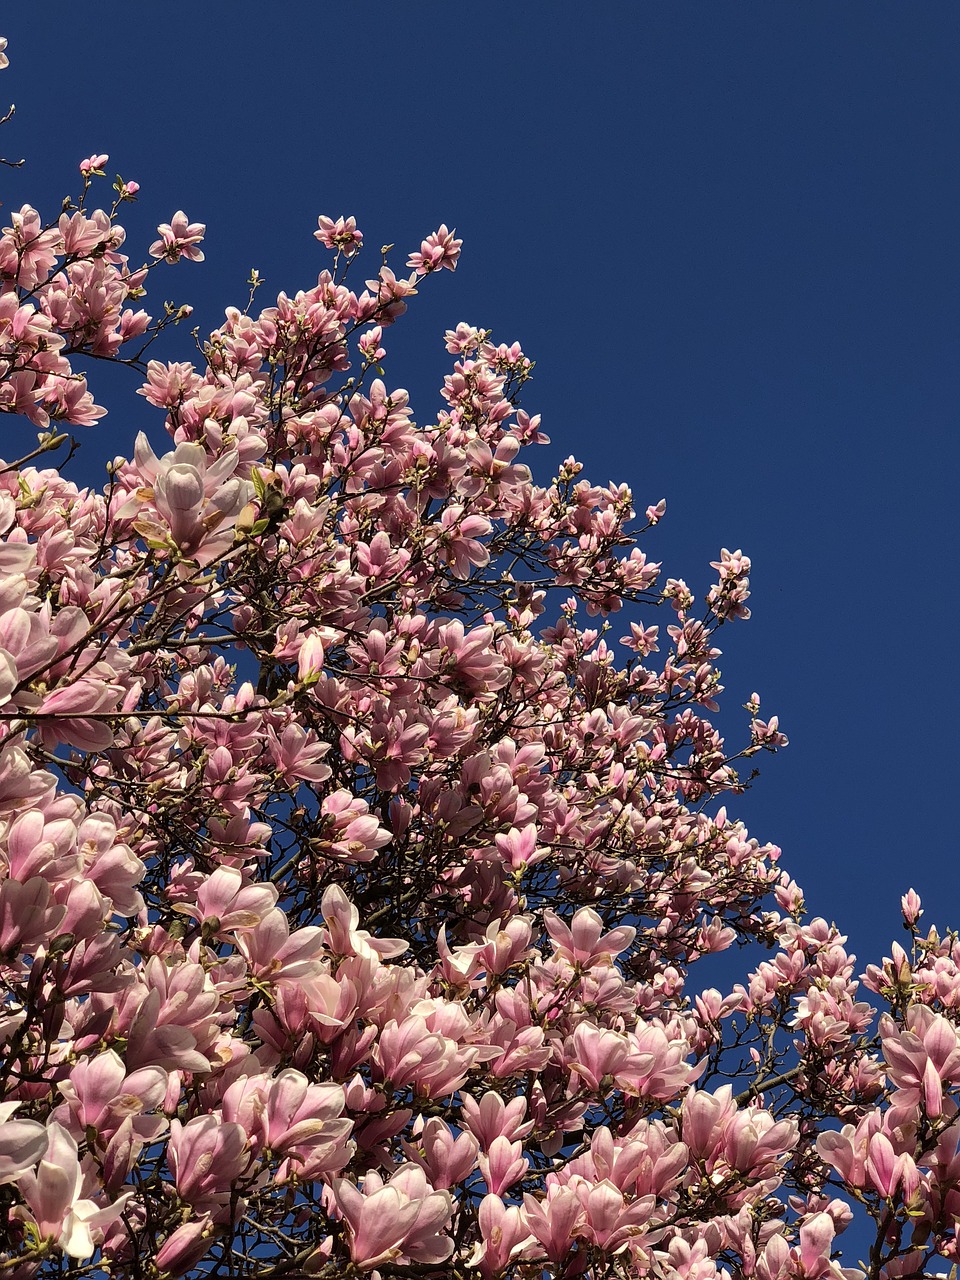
727 233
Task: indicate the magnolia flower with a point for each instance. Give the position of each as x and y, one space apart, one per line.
910 905
4 60
206 1157
55 1203
404 1218
341 918
70 713
816 1241
440 249
101 1093
289 1115
922 1059
554 1221
446 1158
503 1233
340 235
227 902
179 239
584 941
93 164
184 1247
29 914
188 497
22 1143
502 1164
20 782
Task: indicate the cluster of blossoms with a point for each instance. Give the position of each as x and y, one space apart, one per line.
351 875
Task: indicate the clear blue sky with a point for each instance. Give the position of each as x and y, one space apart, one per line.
727 233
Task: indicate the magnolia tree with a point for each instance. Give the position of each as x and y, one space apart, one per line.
354 855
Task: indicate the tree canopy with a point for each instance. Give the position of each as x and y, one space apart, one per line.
359 831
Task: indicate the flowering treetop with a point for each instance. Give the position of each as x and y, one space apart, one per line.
354 853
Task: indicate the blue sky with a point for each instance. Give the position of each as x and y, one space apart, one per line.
727 233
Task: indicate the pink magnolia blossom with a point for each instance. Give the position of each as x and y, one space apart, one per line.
73 714
912 910
55 1204
179 239
29 914
460 540
440 249
596 1055
502 1164
94 164
491 1118
99 1093
290 1116
402 1219
206 1157
445 1158
816 1239
22 1143
922 1059
584 941
341 917
504 1235
339 235
277 955
554 1221
186 497
410 1053
609 1220
185 1246
227 902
